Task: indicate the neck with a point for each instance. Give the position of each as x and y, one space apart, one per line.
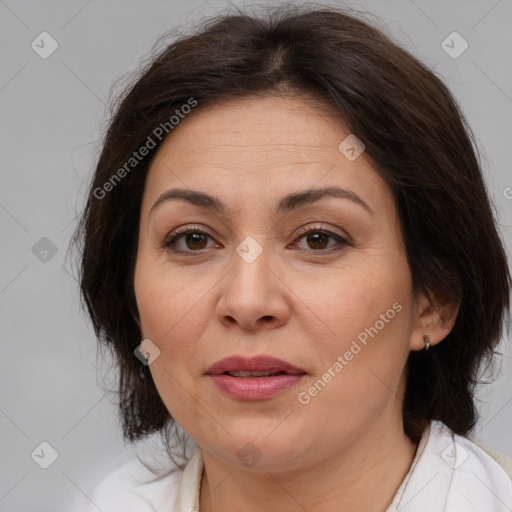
364 475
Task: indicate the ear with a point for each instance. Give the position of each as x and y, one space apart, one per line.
435 321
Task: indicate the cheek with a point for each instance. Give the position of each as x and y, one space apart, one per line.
363 314
169 301
352 298
174 311
171 313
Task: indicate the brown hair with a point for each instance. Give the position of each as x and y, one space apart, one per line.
415 135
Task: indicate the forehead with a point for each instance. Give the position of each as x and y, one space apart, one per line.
256 143
279 128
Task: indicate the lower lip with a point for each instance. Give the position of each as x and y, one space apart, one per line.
255 388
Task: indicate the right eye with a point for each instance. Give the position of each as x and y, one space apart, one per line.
194 238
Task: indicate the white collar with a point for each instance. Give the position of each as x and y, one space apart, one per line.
190 486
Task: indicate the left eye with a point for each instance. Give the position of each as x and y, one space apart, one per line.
318 239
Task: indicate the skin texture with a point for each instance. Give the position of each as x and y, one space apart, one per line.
304 300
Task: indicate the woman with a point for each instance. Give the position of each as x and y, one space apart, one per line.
289 247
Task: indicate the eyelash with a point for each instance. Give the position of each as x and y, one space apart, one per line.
170 242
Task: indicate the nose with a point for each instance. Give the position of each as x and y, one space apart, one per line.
253 295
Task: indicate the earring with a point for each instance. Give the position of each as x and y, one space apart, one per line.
144 371
427 342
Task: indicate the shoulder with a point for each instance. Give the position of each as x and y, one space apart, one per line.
453 474
468 451
503 460
131 487
477 477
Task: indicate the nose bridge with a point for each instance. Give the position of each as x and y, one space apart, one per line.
250 263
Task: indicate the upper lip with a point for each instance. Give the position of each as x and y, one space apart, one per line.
255 363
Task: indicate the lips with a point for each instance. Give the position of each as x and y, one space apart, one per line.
256 366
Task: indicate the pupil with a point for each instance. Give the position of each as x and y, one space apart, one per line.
315 236
194 238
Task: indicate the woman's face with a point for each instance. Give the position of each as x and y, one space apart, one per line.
336 303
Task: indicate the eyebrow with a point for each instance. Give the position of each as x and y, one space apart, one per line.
287 203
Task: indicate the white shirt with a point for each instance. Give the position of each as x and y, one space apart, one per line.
449 473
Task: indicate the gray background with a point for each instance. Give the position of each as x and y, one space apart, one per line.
52 112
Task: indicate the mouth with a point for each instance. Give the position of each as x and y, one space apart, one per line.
259 377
